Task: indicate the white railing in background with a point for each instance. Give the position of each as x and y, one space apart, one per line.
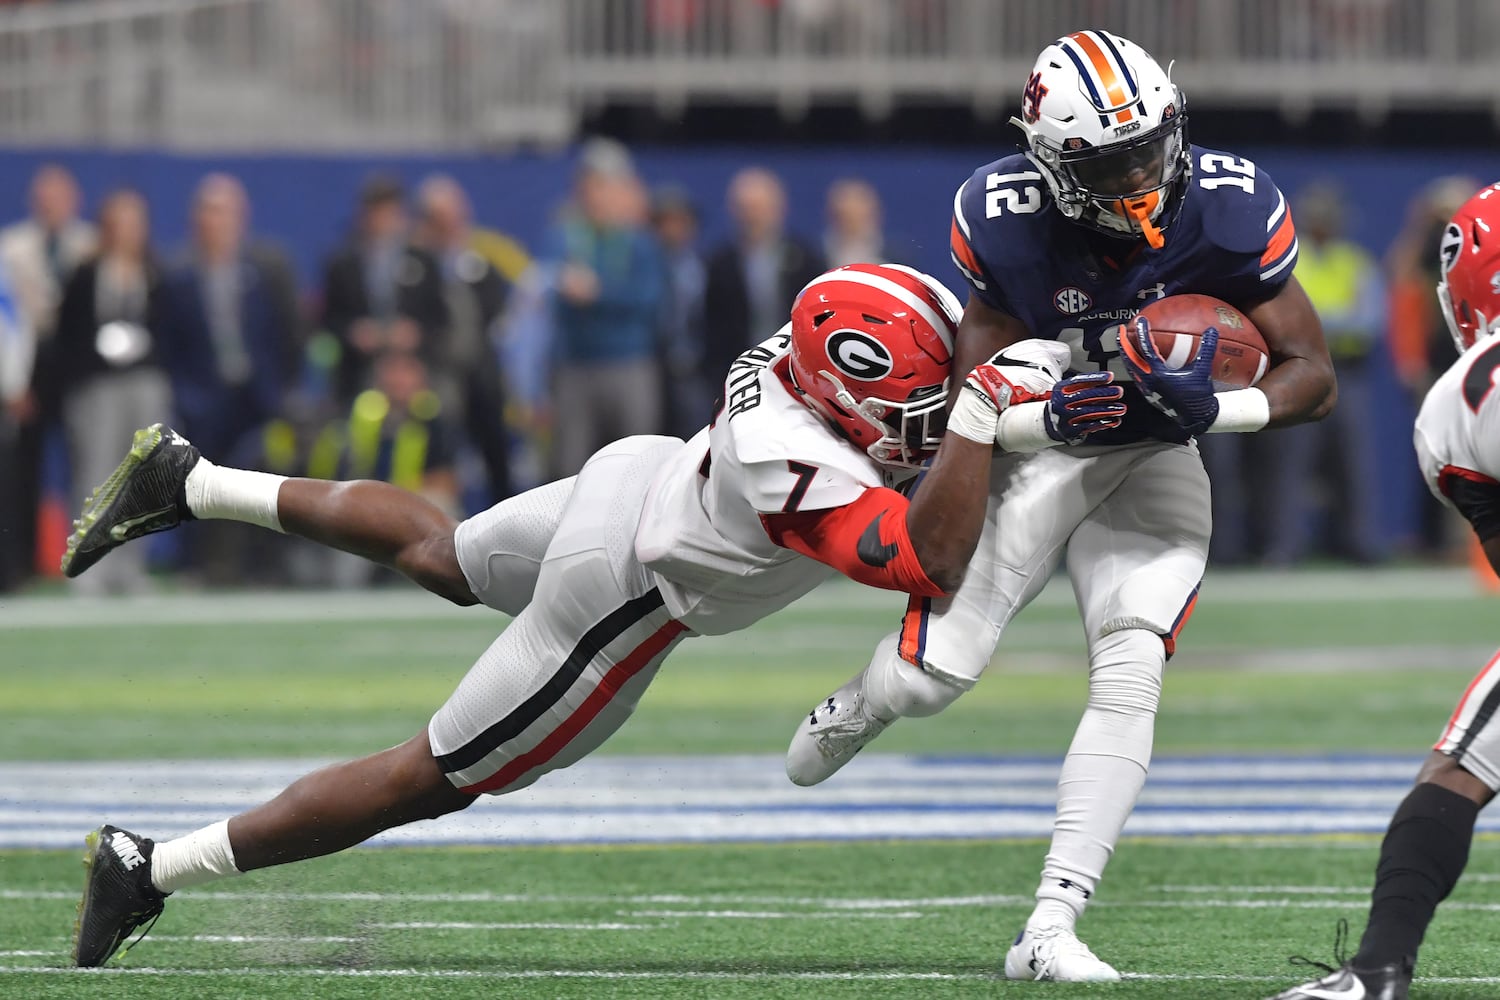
414 74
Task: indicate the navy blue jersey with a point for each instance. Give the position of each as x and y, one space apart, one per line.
1233 239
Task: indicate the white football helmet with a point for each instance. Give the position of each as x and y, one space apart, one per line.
1107 128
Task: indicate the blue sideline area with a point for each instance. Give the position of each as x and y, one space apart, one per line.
306 203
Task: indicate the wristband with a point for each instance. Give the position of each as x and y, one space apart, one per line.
1241 411
973 417
1023 427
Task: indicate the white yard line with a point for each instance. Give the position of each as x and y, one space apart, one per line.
1274 890
502 974
776 915
615 974
409 604
710 899
466 925
712 905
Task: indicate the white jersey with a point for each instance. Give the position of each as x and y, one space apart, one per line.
765 453
1458 429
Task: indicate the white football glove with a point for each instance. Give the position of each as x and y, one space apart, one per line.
1022 373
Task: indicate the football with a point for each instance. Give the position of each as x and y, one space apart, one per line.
1177 324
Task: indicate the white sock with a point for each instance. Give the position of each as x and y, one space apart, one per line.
1103 774
233 494
202 856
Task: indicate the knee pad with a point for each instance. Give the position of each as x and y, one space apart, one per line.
1125 669
895 688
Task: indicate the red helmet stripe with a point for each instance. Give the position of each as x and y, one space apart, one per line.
940 325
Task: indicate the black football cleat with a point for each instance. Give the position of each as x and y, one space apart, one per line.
118 895
145 494
1346 981
1388 982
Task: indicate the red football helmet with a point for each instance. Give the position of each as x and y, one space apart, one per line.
1469 289
871 349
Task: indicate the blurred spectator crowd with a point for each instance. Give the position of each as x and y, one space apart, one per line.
435 354
447 358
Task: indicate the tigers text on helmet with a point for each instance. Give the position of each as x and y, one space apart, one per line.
1469 289
1107 128
871 348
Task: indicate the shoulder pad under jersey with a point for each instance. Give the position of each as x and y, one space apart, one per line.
998 216
1241 208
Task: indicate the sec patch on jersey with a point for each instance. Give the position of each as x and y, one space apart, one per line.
1177 325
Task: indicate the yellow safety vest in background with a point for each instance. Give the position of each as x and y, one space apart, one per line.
1333 277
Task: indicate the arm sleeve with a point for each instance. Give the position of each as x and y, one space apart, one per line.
866 540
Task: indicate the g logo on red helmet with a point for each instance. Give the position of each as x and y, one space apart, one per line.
1453 242
859 355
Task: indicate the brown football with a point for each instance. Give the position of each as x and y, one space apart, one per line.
1177 324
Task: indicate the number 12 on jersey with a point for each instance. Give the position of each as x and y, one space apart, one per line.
1099 348
1227 171
999 199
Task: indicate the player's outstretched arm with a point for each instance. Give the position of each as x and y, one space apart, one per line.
921 546
924 545
1299 386
983 333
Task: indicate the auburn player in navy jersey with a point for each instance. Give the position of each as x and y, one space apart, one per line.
1107 209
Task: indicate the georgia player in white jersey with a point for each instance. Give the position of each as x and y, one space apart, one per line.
653 541
1458 447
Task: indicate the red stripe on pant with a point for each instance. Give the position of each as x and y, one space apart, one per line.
1464 701
1170 639
614 679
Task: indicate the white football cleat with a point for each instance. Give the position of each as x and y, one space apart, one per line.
1055 953
831 734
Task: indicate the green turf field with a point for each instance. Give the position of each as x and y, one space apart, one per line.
1340 662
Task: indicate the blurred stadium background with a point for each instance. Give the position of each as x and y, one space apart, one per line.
340 238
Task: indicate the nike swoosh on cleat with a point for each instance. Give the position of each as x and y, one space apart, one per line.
121 532
1324 993
871 551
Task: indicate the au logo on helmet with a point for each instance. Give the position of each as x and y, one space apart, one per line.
1031 98
859 356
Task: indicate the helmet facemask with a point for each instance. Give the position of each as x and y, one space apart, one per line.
1477 325
909 432
1124 189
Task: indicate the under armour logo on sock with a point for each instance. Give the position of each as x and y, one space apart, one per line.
1069 884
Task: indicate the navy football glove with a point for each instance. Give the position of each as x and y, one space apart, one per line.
1083 404
1185 394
